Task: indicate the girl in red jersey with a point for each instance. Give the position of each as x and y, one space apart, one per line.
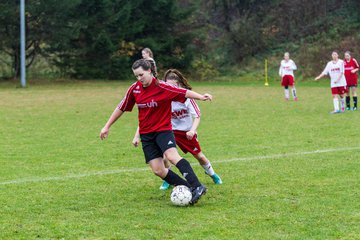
351 67
153 99
185 121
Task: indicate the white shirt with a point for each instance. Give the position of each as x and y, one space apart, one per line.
182 114
287 68
335 70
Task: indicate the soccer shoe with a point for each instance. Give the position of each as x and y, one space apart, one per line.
286 99
335 112
197 193
164 186
354 108
347 108
216 179
296 99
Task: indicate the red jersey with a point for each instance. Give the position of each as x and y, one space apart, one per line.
351 78
154 104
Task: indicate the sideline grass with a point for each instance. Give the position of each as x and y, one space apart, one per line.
52 130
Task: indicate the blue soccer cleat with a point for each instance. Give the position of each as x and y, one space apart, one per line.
216 179
164 186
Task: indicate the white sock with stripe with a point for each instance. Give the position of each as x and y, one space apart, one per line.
342 104
208 168
294 92
336 104
287 93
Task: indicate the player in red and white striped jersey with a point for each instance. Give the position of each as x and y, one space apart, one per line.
335 69
351 68
153 99
185 120
286 72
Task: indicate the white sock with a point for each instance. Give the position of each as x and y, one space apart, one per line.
286 93
294 92
208 168
336 104
342 103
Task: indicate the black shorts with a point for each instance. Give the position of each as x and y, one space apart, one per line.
156 143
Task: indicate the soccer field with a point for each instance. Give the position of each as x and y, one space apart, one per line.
290 169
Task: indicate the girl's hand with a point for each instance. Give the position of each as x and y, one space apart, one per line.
104 133
353 71
190 134
207 97
136 141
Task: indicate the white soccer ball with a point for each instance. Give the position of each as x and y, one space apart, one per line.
181 195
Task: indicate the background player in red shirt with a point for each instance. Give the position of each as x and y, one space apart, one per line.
153 99
351 67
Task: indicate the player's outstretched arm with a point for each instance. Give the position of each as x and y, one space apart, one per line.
114 116
320 76
198 96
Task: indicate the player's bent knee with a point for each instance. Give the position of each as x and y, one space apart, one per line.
160 172
172 155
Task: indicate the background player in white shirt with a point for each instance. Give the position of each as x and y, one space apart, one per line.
185 121
286 72
335 69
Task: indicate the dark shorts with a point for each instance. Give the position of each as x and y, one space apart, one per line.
156 143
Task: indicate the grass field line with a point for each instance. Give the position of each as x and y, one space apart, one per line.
126 170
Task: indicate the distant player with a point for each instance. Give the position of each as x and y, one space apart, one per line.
351 68
147 54
185 121
335 69
286 72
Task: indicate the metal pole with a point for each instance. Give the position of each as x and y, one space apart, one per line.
22 44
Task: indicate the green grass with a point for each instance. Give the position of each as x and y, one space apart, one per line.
51 130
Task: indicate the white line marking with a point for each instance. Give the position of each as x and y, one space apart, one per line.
125 170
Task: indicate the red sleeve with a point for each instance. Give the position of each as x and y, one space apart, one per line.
128 102
174 93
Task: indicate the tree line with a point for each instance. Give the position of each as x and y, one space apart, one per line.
89 39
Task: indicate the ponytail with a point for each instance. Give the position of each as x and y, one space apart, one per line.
174 74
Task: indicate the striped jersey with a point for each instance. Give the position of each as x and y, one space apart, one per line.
182 114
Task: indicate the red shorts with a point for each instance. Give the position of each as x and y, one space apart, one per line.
192 146
351 81
339 90
287 80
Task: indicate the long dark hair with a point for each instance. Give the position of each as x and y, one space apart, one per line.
146 65
174 74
